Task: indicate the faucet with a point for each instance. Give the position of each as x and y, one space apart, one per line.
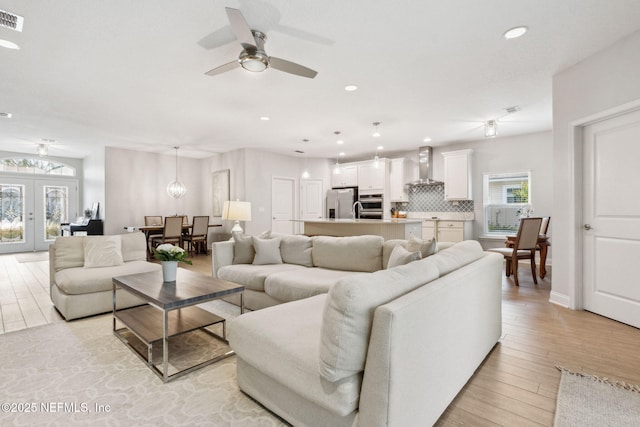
353 209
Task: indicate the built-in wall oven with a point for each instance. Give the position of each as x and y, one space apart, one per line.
371 206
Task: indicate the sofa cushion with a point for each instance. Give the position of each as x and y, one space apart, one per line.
287 351
102 251
401 256
296 249
243 251
458 255
253 276
267 251
352 253
134 247
69 252
426 247
348 313
302 283
74 281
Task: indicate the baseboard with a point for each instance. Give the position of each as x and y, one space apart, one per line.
559 299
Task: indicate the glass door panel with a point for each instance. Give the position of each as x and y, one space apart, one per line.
16 215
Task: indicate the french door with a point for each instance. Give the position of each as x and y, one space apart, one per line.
31 211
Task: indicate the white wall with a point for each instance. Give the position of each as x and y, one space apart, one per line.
136 185
604 81
531 152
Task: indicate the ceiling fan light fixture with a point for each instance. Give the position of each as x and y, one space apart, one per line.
490 129
254 63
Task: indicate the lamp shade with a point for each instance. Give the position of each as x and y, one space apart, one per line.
236 210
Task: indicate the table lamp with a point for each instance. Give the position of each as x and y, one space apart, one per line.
237 211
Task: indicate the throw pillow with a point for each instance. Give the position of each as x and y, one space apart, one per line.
401 256
267 251
426 247
102 251
243 251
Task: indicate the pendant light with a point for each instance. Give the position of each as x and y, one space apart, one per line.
305 172
376 132
376 159
490 129
336 167
42 150
176 189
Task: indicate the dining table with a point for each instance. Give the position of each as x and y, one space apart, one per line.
148 230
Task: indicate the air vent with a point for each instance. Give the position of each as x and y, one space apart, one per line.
511 110
299 151
10 20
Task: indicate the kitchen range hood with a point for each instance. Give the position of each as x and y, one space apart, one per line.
425 168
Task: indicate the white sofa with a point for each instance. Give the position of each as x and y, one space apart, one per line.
393 347
283 268
81 269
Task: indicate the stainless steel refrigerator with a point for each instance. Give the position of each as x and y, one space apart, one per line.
340 202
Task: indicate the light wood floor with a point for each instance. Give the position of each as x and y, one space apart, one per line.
515 386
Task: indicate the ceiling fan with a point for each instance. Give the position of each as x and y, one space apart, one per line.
253 56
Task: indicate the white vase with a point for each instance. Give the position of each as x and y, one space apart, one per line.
169 271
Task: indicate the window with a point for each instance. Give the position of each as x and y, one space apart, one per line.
506 199
35 166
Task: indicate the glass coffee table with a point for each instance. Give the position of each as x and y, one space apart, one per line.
170 311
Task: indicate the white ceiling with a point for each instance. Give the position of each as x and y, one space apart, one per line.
93 73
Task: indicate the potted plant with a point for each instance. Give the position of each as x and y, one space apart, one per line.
170 255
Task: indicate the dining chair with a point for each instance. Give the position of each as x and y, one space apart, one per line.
198 236
152 220
544 226
524 247
171 233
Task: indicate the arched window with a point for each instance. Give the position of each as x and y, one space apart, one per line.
36 166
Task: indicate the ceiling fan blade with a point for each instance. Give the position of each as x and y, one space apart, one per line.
223 68
240 28
291 67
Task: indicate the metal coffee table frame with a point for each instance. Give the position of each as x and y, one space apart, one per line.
170 311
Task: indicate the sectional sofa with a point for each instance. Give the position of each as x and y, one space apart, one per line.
278 268
81 269
392 346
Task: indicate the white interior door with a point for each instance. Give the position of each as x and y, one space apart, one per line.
311 199
283 205
611 213
31 211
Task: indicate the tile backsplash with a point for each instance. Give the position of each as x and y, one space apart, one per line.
431 199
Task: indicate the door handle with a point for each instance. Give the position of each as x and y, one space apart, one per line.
587 227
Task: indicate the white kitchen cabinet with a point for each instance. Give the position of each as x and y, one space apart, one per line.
457 175
428 229
400 174
348 176
454 231
372 176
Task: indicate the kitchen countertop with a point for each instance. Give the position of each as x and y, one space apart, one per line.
442 216
361 221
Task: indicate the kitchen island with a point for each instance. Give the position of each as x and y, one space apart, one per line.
388 228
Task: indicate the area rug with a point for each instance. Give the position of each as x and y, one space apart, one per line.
79 373
32 256
586 400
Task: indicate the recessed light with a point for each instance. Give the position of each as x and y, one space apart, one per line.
350 88
265 118
427 139
379 147
515 32
9 45
6 115
341 154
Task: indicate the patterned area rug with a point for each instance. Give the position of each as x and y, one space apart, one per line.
586 400
79 373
